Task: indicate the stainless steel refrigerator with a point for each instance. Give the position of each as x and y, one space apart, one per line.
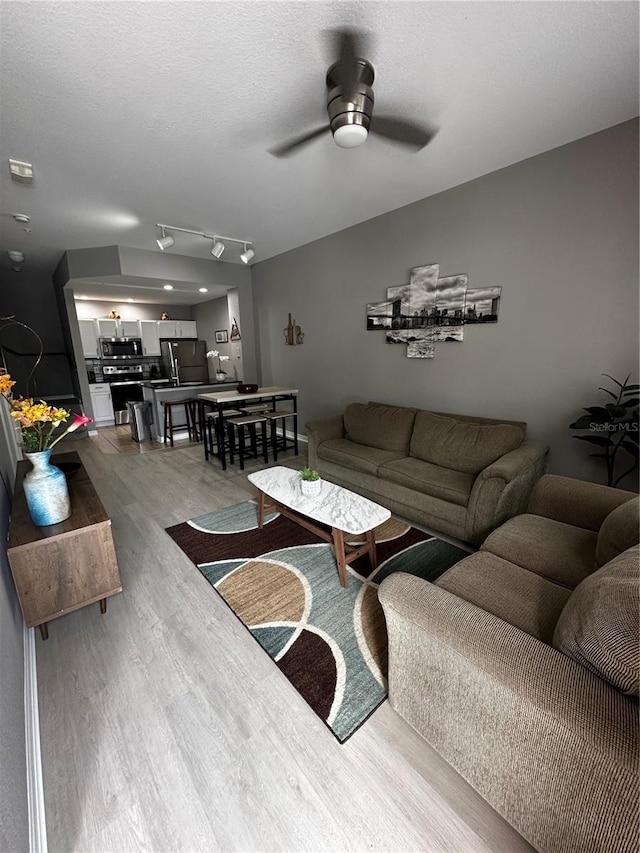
185 361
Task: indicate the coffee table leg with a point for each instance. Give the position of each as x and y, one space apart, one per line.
373 554
338 548
260 509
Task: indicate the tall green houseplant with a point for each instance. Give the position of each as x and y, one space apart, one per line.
613 428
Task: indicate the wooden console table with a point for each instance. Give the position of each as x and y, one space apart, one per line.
62 567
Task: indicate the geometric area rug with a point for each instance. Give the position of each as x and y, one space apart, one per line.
282 583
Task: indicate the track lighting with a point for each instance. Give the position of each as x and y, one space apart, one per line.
166 241
218 243
218 248
246 256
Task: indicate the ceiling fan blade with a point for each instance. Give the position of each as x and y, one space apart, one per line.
403 132
292 145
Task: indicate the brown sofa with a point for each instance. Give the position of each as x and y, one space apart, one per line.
462 476
521 666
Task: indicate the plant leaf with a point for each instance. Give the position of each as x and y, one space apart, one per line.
600 414
619 384
600 440
629 404
631 389
631 448
610 393
616 411
599 455
583 422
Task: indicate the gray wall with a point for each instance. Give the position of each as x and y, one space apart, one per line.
558 232
14 820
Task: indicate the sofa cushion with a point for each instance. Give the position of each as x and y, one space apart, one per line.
359 457
599 624
461 446
555 550
520 597
384 427
619 531
452 486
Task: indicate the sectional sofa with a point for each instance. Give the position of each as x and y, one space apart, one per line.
521 666
456 474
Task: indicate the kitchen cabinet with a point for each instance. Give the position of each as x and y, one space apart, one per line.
66 566
177 329
150 337
89 338
118 328
101 404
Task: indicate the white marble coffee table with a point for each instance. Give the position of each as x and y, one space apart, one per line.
343 511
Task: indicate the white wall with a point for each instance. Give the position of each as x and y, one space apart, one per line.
558 232
14 818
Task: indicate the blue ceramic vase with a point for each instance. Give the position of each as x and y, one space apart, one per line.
46 491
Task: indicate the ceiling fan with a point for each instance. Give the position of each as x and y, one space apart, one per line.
350 105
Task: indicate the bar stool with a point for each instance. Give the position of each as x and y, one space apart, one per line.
190 410
280 417
238 425
215 432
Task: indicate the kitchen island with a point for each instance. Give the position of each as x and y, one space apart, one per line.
157 392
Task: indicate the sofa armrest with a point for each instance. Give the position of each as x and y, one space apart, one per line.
502 489
575 502
322 430
519 720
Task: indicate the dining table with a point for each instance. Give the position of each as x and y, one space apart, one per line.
221 400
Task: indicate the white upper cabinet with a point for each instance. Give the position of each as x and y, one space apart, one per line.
150 337
129 328
107 328
177 329
118 328
89 338
187 328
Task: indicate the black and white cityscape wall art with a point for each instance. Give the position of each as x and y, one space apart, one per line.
378 315
482 305
432 309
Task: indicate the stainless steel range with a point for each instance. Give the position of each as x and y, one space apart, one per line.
125 381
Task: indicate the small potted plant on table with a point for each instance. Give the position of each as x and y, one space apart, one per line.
310 482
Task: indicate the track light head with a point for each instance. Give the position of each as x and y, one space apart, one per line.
246 256
218 248
165 242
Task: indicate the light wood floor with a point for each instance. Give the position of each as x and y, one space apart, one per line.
166 728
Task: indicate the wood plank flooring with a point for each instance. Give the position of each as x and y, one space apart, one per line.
166 728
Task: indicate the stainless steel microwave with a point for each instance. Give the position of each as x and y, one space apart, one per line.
121 347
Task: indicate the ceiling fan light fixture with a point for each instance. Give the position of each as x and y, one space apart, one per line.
246 256
218 248
16 256
350 135
165 242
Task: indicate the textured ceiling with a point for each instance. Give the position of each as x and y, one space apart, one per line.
141 112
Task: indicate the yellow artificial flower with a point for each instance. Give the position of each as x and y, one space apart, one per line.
6 383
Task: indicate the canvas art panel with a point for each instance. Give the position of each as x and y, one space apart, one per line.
420 349
379 315
482 305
